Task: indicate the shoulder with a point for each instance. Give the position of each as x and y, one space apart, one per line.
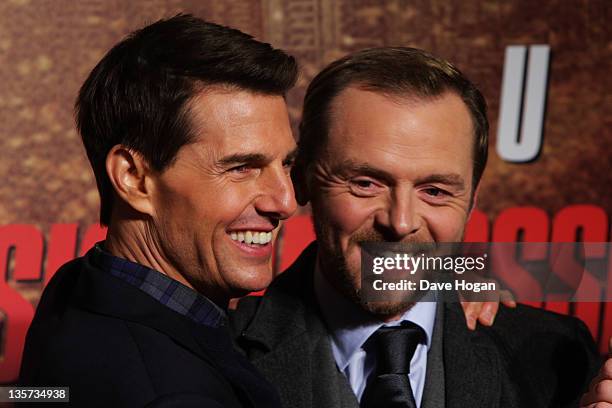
541 334
546 348
528 323
125 361
61 286
92 354
55 326
111 357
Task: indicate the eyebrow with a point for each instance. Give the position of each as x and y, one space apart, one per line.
451 179
243 158
252 158
350 166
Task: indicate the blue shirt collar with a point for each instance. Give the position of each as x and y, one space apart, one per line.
167 291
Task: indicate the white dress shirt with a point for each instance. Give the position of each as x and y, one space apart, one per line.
350 327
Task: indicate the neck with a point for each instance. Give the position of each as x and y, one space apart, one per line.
134 240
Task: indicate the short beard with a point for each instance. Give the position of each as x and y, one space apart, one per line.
337 272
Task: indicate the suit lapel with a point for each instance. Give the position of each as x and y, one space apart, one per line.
297 355
296 352
434 390
471 363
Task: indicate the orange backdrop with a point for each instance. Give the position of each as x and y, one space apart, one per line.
48 199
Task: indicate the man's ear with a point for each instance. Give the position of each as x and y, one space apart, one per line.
130 176
301 184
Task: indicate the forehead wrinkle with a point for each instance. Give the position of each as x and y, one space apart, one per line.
241 112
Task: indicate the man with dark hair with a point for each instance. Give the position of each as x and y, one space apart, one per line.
392 147
186 128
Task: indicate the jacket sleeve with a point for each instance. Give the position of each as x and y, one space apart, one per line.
591 361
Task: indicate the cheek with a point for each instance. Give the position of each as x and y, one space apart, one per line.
207 207
347 214
176 198
167 207
446 224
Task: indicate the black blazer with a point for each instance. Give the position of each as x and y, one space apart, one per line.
116 346
529 358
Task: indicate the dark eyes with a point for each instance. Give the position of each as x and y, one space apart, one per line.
367 187
244 168
364 187
363 183
247 168
288 164
434 192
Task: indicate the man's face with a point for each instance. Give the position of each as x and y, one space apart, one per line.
218 207
393 170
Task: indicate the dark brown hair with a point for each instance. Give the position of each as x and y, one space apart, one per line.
397 72
138 94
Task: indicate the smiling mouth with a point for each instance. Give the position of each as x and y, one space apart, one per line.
251 237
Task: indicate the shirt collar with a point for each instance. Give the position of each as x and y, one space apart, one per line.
169 292
350 326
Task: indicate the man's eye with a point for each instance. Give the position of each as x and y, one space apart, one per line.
240 169
434 192
363 187
288 164
363 183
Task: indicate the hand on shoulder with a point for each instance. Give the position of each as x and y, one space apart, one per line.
600 391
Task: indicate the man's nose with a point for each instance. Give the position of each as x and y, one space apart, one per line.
277 198
399 217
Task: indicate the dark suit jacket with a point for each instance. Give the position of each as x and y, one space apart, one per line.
530 358
116 346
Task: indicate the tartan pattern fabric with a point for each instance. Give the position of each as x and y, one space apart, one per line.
162 288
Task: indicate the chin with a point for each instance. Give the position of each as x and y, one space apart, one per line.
255 282
385 310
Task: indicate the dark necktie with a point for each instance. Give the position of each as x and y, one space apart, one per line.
389 385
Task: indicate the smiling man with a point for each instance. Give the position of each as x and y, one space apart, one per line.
186 128
393 144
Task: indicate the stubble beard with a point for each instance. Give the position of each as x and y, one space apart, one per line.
347 281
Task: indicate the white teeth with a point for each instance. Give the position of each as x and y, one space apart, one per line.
252 237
